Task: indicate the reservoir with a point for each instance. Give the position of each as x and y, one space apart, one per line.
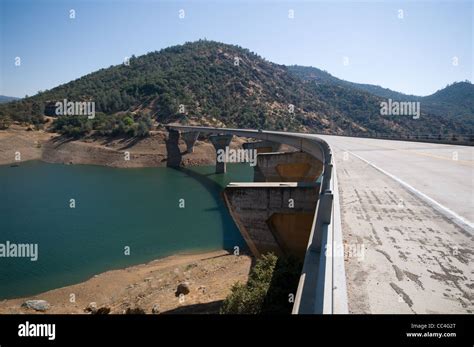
89 219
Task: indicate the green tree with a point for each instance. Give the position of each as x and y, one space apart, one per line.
249 298
5 122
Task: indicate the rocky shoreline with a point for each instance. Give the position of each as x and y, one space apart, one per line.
186 283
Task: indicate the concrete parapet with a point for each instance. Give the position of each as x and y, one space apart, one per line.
287 167
273 217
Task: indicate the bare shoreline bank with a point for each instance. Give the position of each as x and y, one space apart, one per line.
150 287
17 144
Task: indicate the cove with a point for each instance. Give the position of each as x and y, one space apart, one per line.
115 209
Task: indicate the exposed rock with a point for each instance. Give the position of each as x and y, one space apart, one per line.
37 305
103 310
183 288
119 298
135 310
155 309
92 307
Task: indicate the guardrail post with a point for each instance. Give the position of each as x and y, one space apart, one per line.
327 174
323 217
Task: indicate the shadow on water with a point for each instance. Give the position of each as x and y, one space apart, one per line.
215 191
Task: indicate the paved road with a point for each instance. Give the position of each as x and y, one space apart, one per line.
444 173
407 211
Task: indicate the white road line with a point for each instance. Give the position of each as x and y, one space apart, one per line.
450 214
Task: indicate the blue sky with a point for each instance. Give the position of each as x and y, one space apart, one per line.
413 55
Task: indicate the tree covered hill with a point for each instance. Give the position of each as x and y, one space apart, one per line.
455 100
309 73
205 81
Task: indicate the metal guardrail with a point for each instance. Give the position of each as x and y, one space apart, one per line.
322 284
449 139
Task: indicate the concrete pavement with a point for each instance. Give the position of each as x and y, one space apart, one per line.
443 172
410 255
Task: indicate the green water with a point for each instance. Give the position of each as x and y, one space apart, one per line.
115 208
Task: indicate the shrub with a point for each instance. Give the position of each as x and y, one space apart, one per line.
142 129
270 283
105 125
5 122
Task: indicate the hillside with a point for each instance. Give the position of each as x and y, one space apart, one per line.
455 100
309 73
4 98
205 78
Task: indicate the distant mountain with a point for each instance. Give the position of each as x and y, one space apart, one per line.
4 99
319 76
456 100
207 81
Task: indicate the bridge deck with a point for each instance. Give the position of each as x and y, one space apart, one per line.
415 259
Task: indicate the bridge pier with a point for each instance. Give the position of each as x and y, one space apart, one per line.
190 139
173 158
220 143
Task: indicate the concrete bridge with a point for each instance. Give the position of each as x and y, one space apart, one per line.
397 240
265 216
